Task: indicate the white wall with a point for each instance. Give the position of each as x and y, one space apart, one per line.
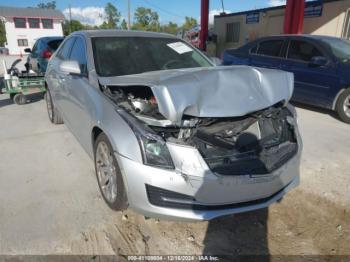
12 34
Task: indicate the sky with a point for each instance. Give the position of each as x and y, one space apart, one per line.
91 11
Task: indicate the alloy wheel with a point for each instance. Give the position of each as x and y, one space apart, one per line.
49 106
106 172
346 106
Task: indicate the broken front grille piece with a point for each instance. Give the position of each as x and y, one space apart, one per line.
267 142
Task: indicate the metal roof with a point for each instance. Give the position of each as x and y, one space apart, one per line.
6 11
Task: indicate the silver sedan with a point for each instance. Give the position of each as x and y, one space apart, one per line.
172 135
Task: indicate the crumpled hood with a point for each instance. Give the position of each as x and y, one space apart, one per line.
228 91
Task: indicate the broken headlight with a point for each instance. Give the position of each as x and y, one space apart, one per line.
155 152
153 147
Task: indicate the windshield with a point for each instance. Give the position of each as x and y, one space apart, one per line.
117 56
340 48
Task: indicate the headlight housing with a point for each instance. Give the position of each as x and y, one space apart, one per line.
155 152
153 147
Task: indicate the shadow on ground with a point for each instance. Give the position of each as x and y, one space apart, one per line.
5 102
32 98
317 109
241 234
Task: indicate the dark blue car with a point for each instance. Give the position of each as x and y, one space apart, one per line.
321 67
41 52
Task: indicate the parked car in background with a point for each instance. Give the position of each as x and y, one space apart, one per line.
321 67
4 51
41 52
172 135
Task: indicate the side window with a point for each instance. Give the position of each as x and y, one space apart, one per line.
22 42
65 49
270 48
253 49
35 47
79 54
304 51
40 45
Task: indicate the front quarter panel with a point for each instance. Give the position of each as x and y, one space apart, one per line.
120 134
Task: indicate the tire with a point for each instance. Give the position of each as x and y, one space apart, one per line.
343 106
54 115
110 179
19 99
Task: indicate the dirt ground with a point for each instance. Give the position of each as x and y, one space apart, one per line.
50 203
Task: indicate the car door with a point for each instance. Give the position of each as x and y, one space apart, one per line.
57 79
78 100
313 83
267 53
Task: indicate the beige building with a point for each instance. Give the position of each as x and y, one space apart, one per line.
327 17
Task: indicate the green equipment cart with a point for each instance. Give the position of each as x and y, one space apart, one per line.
18 85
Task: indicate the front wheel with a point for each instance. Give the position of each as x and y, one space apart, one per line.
343 106
54 115
109 177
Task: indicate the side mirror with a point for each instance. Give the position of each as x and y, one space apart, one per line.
216 61
70 67
28 50
318 61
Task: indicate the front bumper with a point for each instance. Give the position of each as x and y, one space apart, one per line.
209 194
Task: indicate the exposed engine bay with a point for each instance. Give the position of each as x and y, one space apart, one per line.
255 144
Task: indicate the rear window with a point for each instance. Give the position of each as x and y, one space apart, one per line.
270 48
54 44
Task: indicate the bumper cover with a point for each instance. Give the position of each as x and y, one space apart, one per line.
208 195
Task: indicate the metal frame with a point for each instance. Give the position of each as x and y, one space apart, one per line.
24 85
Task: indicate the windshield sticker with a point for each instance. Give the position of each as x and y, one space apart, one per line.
180 48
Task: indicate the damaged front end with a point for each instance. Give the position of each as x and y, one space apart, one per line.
257 143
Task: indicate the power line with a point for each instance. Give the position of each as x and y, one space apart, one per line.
162 9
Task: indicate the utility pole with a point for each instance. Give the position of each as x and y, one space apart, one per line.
129 16
223 7
204 24
70 19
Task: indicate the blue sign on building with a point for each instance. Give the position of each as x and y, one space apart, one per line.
253 18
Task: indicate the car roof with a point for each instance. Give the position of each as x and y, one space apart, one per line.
302 36
121 33
49 38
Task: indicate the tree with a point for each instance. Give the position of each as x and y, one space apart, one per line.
48 5
2 34
90 27
170 28
146 19
104 25
112 17
72 26
189 23
124 25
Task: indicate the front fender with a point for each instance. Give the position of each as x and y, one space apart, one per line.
119 133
